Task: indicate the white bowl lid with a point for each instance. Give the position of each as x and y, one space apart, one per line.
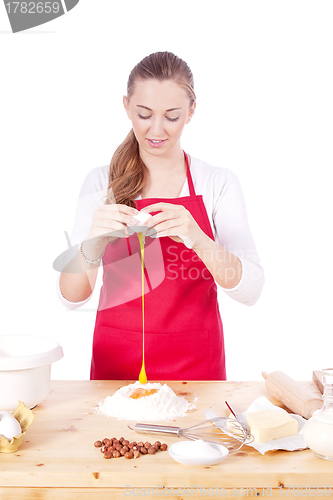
21 352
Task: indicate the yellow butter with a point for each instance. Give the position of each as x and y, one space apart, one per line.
267 425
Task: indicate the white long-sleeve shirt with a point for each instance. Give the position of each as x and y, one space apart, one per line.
224 202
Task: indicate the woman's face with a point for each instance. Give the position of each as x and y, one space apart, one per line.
158 110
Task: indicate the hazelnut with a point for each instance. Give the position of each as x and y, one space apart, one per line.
115 448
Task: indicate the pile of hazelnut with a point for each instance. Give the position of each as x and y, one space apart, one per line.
115 448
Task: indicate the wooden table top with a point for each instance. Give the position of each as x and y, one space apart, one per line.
57 458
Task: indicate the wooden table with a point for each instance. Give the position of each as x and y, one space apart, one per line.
58 460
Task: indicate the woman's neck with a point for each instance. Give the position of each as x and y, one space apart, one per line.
171 163
166 176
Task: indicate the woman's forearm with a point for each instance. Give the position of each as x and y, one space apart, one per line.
225 267
78 278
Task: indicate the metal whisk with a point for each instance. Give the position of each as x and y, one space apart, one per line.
225 431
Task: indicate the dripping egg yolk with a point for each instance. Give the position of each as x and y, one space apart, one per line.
141 393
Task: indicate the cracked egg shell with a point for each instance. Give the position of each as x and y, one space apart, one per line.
141 219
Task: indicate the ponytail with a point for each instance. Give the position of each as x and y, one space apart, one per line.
127 172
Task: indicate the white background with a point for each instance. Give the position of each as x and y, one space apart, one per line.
263 79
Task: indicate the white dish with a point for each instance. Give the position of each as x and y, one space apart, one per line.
25 369
176 451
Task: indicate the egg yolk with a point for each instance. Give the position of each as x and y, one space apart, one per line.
141 393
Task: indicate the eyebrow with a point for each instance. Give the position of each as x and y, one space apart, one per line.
145 107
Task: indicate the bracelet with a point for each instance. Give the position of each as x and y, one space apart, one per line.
88 260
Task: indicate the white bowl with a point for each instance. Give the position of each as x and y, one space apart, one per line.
176 451
25 369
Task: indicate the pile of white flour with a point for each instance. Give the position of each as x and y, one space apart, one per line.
161 405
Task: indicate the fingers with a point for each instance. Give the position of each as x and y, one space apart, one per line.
113 218
170 226
119 213
161 206
110 229
167 212
169 221
121 221
111 221
174 221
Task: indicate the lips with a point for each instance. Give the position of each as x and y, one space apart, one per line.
156 143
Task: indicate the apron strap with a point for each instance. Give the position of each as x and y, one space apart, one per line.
129 246
189 176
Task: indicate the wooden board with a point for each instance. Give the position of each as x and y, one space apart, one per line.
57 458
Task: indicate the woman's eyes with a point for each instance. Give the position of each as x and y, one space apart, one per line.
147 117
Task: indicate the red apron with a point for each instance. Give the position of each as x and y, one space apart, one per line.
183 327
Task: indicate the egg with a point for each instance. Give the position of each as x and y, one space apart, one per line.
9 426
141 219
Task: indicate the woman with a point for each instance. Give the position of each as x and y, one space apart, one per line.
196 237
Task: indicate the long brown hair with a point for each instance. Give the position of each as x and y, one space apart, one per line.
127 173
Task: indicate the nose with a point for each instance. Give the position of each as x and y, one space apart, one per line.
156 128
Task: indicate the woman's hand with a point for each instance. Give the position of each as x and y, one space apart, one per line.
109 223
177 222
174 221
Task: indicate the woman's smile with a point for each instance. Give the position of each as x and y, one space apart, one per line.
156 143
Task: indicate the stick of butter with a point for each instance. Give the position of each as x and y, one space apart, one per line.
266 425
